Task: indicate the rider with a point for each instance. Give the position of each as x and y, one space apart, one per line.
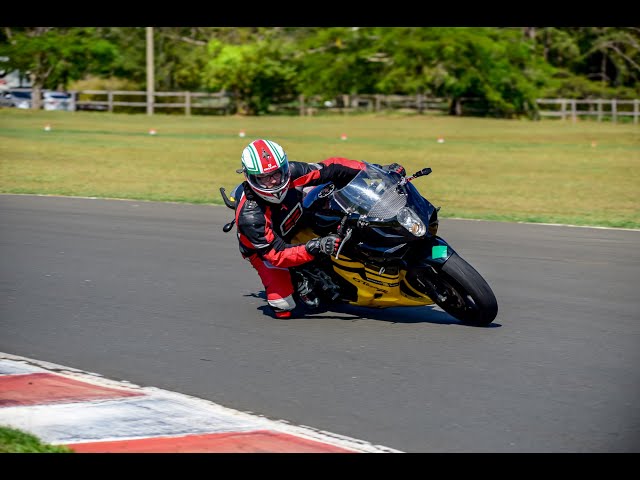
269 208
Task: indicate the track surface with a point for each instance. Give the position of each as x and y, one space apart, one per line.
156 294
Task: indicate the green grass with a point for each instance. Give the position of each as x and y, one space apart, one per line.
552 171
16 441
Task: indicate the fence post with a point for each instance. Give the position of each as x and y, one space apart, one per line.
599 109
614 110
636 109
110 100
563 104
573 110
187 103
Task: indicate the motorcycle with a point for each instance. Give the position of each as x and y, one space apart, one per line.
390 254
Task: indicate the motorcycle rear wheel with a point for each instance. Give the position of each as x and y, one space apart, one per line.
461 292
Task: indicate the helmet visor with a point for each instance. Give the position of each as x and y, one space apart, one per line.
270 180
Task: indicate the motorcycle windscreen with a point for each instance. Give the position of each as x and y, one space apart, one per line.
418 203
365 190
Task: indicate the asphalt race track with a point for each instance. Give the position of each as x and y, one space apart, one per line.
157 294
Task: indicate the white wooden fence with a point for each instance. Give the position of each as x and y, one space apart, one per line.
106 100
571 108
601 109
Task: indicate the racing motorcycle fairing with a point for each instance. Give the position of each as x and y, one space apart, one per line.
390 254
374 261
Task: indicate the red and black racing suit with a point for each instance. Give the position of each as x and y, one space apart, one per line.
265 229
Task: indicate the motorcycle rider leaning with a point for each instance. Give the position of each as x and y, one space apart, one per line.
269 208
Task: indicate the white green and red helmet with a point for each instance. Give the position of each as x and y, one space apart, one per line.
266 168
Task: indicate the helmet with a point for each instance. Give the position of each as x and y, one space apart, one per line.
266 168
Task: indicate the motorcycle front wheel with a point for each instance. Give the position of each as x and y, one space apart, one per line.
460 291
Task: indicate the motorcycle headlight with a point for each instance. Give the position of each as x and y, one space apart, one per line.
409 220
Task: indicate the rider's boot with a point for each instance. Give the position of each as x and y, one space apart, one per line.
281 313
305 292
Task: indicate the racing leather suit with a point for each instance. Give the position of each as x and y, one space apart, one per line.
265 229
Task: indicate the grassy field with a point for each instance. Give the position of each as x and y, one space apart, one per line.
16 441
554 171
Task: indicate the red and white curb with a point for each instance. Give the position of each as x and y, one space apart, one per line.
93 414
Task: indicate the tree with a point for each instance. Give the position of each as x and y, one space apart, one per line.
612 54
497 67
504 68
181 56
54 56
335 61
253 73
591 61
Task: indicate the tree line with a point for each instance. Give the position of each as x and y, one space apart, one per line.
504 68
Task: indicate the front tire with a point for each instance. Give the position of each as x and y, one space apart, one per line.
460 291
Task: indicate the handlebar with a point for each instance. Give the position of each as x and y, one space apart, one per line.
227 201
420 173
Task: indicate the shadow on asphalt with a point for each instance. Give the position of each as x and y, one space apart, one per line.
426 314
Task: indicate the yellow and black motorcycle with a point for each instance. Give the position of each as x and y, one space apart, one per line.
390 254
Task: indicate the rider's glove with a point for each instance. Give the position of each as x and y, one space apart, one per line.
395 167
327 245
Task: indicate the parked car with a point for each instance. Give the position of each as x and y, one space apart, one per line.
58 101
51 100
17 98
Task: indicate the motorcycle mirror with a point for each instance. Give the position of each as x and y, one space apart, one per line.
228 226
424 171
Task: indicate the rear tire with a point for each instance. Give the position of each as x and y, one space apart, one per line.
460 291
